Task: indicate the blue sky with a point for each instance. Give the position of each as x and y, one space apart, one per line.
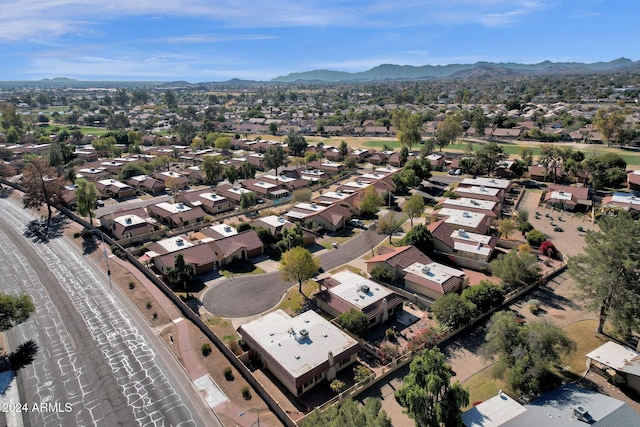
216 40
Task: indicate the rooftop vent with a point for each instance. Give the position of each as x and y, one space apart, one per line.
462 233
180 205
362 287
313 205
128 220
482 188
303 333
179 241
581 414
466 215
426 269
227 228
280 219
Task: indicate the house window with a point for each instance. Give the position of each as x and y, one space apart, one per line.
129 235
219 207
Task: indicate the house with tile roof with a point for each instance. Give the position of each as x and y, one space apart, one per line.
568 197
449 241
473 222
347 290
396 259
633 180
236 247
200 257
114 188
480 192
147 184
300 351
432 279
330 218
208 199
489 208
176 214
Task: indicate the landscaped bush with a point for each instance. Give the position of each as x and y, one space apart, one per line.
525 227
390 334
536 237
381 274
361 373
427 337
337 386
246 392
387 352
354 321
548 249
228 373
205 349
132 285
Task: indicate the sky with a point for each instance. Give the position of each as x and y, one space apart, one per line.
217 40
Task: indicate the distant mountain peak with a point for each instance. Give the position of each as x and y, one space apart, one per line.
409 72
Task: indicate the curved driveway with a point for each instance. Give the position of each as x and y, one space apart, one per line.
254 294
94 356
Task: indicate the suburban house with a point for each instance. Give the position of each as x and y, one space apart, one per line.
623 361
277 224
235 247
207 199
567 406
432 279
621 200
567 197
346 200
299 351
232 192
176 214
472 222
633 180
436 160
459 243
114 188
480 192
491 209
201 257
175 178
92 173
502 184
347 290
330 218
328 167
147 184
542 173
266 189
125 224
396 259
287 182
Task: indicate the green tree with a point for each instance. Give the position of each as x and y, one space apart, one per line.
414 207
42 186
527 354
489 155
181 272
453 312
296 143
248 200
105 146
608 272
484 296
408 127
170 99
526 154
370 202
344 149
247 171
535 237
14 309
517 269
609 123
212 167
186 132
298 265
354 321
223 142
448 130
420 237
273 128
428 394
291 237
231 174
506 226
86 195
301 195
351 414
275 157
390 224
130 170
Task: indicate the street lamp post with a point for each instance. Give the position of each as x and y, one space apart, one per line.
106 258
252 409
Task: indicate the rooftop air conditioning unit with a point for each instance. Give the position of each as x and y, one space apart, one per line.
128 220
227 228
363 288
180 205
179 241
280 219
426 269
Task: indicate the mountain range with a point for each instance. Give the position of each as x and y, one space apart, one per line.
484 69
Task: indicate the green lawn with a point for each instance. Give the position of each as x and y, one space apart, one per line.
393 143
584 334
482 386
240 268
293 301
84 129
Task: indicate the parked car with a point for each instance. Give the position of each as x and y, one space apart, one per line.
357 223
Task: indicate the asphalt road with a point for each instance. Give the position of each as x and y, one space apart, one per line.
99 363
249 295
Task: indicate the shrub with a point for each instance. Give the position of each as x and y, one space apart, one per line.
246 392
354 321
525 227
451 194
387 352
427 337
132 285
548 249
154 316
86 233
337 386
361 373
149 305
390 334
228 373
205 349
381 274
76 234
536 237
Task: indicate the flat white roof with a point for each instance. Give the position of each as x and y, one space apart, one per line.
487 182
357 184
281 178
465 218
435 272
617 357
239 190
374 176
114 182
212 197
92 170
465 202
224 229
357 290
472 248
128 220
560 195
140 178
479 190
332 164
171 174
493 412
387 169
280 335
263 184
273 220
173 244
310 207
626 198
173 207
112 163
